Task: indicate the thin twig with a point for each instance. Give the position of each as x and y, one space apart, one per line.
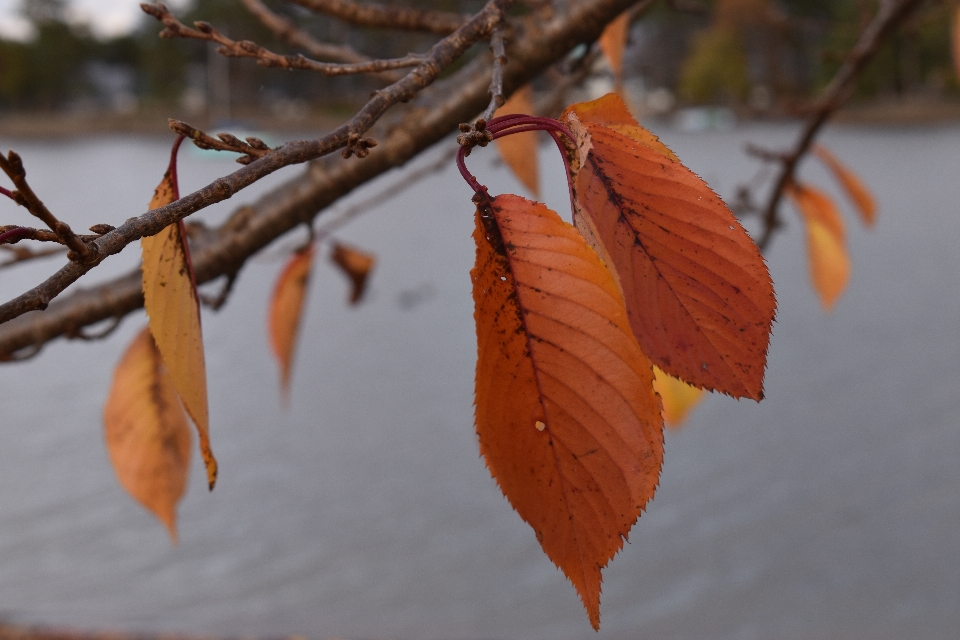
12 165
217 301
173 28
78 333
22 254
408 180
498 48
13 233
387 16
251 149
890 14
286 30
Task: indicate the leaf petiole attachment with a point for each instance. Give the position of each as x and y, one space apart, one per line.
485 131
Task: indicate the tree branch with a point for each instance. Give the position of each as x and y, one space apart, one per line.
386 16
889 16
12 165
286 30
230 48
441 56
497 47
542 39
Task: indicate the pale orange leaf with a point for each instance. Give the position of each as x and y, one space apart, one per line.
567 418
612 42
173 306
863 200
356 265
678 397
146 432
519 151
286 309
698 293
826 245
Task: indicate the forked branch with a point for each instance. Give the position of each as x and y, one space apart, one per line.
80 251
286 30
386 16
889 16
173 28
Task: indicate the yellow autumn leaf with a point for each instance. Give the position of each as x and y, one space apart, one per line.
286 309
678 397
519 151
146 432
612 42
856 190
829 263
826 244
173 306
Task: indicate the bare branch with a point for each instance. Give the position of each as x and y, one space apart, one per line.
13 233
441 55
78 333
173 28
252 149
889 16
387 16
286 30
22 254
546 38
12 165
497 47
388 193
217 301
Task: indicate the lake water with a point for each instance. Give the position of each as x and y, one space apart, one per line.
829 510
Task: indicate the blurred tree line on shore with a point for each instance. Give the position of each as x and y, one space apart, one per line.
755 55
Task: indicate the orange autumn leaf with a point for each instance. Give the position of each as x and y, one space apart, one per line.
356 265
567 419
612 42
857 191
678 397
173 306
826 245
146 432
698 293
286 309
519 151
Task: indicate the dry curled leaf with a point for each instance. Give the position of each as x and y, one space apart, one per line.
678 397
826 243
863 200
173 306
356 265
146 432
567 418
612 42
286 309
697 290
519 151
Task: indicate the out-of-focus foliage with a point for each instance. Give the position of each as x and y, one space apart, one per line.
755 54
716 69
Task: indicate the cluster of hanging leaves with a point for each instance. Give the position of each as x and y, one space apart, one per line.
571 320
161 379
826 231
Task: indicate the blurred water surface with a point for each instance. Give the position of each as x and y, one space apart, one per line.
829 510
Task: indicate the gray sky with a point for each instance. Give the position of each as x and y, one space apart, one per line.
107 17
